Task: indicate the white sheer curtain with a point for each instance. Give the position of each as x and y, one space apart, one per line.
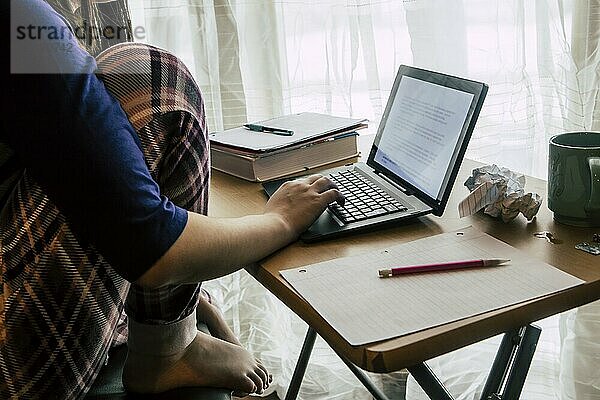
255 59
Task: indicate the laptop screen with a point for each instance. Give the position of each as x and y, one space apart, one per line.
424 132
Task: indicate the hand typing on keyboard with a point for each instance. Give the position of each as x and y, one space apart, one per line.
299 202
363 199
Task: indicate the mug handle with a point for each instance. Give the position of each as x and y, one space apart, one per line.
593 205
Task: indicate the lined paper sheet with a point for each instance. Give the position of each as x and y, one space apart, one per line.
364 308
484 194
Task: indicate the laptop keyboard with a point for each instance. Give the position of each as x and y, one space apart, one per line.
364 199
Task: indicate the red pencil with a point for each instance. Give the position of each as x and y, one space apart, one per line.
410 269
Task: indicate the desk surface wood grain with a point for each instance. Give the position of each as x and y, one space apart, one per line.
232 197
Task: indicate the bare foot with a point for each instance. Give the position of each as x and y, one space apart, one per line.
212 317
207 361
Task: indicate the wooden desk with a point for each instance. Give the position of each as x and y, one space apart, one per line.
233 197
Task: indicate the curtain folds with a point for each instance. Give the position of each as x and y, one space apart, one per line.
255 59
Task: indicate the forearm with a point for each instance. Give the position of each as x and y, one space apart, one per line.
213 247
209 248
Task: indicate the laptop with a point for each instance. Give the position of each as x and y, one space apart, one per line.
415 157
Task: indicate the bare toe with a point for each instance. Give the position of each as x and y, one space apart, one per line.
247 386
257 381
267 378
263 376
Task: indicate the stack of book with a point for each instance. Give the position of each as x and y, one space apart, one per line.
286 145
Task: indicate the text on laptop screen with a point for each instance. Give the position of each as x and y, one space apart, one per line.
419 139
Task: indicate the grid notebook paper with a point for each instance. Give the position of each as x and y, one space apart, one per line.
364 308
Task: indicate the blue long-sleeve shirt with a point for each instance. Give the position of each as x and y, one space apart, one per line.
74 138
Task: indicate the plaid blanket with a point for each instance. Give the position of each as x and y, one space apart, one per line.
60 301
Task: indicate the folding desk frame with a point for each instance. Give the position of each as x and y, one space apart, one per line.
505 380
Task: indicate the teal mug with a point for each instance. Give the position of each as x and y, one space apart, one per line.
574 178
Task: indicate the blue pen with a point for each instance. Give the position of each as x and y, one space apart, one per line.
267 129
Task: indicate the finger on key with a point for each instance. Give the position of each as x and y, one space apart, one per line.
312 178
334 195
323 184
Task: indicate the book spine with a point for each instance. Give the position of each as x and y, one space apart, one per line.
233 164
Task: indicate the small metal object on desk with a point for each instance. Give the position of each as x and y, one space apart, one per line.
592 248
548 236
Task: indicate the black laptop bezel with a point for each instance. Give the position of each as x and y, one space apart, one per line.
477 89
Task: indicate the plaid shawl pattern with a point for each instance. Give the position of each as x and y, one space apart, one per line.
60 301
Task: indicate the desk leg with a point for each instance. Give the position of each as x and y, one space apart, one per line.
493 384
430 384
505 381
365 380
309 342
510 367
508 372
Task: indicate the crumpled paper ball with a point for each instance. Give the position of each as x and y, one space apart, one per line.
500 192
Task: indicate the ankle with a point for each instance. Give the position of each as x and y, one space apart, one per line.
161 340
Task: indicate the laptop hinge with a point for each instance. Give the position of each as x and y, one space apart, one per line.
406 191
